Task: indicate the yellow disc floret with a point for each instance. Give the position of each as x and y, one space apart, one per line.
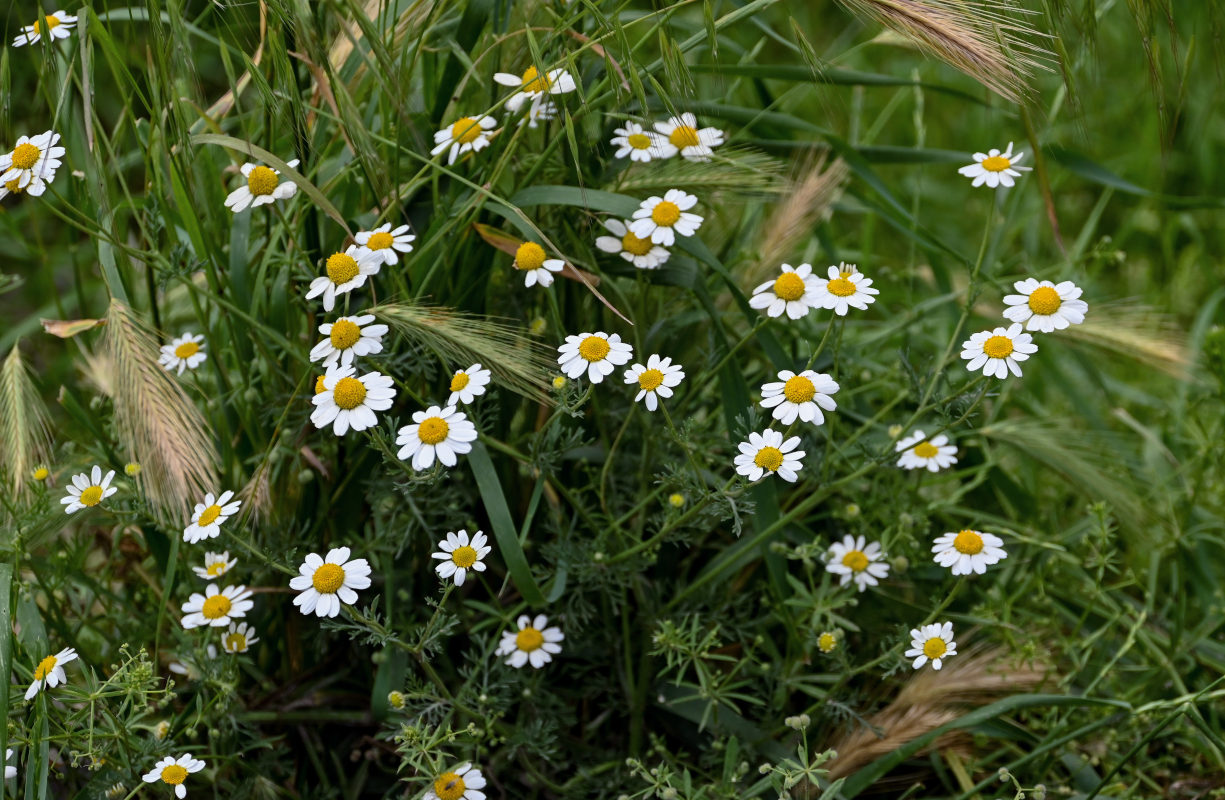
968 542
998 347
634 245
433 430
855 560
463 557
594 348
449 786
25 156
799 390
638 141
345 334
174 774
44 668
926 450
465 130
216 607
186 349
459 381
91 496
529 639
841 287
262 181
328 578
535 81
666 213
349 393
683 136
380 241
996 164
935 647
650 380
209 515
770 458
529 256
1044 301
789 287
342 268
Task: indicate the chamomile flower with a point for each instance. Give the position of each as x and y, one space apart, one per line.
919 452
215 565
845 288
173 771
9 772
344 272
184 352
854 559
57 25
462 783
263 187
933 643
766 453
596 354
465 135
793 292
642 253
32 163
217 607
34 188
533 643
348 338
1045 306
348 402
682 133
536 266
533 85
995 168
468 384
801 395
654 380
969 551
539 111
50 671
997 351
459 554
661 219
386 243
89 490
208 517
441 433
327 582
639 144
827 642
239 638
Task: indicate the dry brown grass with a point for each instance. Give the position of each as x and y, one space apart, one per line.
806 204
25 430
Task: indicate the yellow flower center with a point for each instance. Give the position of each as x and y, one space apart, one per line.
463 557
935 647
789 286
926 450
594 348
209 515
799 389
342 268
14 186
826 642
216 607
449 786
186 350
534 81
529 639
770 458
529 256
174 774
50 21
1045 301
344 334
262 181
998 347
638 141
968 542
996 164
651 379
25 156
380 241
235 642
841 287
328 578
666 213
349 393
460 380
319 387
216 568
91 496
41 474
635 246
683 136
465 130
855 560
44 668
433 430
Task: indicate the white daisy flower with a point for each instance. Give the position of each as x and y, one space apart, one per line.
56 26
468 384
345 272
854 559
327 582
794 291
465 135
661 218
35 187
215 565
386 243
536 266
462 783
538 111
534 642
239 638
932 643
657 379
9 772
348 402
846 288
185 352
994 168
532 85
50 671
683 134
918 452
88 490
217 607
593 353
997 351
766 453
173 771
32 163
348 338
639 144
263 186
642 253
1045 306
436 432
799 395
459 554
208 517
969 551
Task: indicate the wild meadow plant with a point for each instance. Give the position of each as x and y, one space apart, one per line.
610 398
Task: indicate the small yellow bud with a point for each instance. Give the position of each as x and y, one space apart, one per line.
827 642
41 473
162 730
132 469
559 382
537 326
676 499
395 699
895 431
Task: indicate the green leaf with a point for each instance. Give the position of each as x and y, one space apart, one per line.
504 532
